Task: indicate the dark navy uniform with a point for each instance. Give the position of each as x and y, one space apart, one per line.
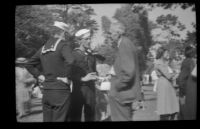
56 60
83 93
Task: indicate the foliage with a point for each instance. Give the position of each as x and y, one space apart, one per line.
82 19
170 24
33 24
108 52
130 20
105 21
191 39
175 5
31 29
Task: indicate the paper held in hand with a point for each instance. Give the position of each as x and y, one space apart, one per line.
105 86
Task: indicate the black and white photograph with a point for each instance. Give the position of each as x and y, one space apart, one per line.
105 62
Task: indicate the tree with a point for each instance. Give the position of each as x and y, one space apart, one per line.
108 52
170 24
31 29
175 5
130 20
80 17
109 47
33 24
105 21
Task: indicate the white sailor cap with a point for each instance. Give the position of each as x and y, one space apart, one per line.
83 33
61 25
21 60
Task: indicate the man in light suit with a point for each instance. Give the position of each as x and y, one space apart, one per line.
125 87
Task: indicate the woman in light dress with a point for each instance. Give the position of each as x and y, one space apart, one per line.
154 78
167 101
24 81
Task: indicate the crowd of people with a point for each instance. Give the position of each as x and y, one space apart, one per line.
174 85
72 85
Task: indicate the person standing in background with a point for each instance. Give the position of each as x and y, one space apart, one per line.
125 81
24 81
167 101
191 96
186 83
182 80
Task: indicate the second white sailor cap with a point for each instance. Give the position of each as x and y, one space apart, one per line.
83 33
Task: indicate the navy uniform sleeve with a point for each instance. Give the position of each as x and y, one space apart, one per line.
66 52
33 62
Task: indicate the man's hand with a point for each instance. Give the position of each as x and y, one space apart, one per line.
41 78
64 79
89 76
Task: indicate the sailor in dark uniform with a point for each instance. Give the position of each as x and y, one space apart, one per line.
56 60
83 76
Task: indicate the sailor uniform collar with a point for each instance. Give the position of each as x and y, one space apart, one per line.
53 46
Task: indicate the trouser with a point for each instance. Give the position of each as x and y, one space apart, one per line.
83 100
165 117
119 111
181 113
56 105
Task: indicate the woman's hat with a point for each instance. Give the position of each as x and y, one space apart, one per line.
21 60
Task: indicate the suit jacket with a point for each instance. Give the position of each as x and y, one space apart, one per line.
55 64
125 85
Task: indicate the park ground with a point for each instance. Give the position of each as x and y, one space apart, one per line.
147 114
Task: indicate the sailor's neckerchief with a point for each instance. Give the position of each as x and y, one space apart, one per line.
86 52
53 46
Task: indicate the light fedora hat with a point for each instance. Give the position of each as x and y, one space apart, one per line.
61 25
83 33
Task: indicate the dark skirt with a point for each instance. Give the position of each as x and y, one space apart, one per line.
191 99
